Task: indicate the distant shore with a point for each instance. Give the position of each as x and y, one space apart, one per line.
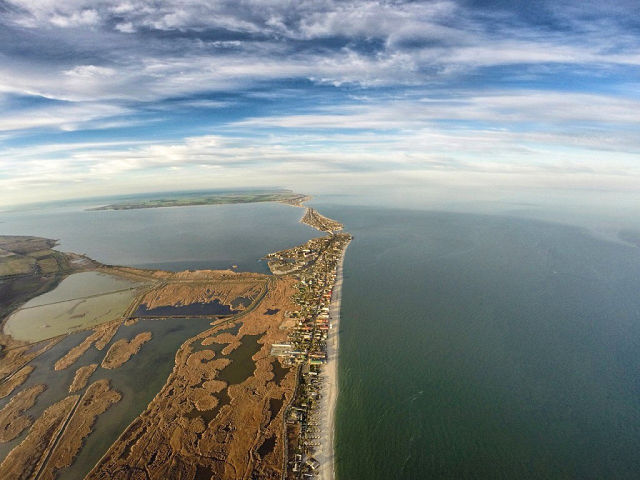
326 456
286 196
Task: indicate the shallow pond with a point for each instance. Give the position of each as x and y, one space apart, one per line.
80 301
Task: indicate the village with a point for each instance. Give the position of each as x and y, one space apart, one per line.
314 265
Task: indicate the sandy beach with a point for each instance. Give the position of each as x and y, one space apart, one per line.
325 454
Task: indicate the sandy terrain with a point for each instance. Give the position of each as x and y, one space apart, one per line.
326 453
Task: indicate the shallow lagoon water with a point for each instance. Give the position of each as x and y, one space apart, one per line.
138 380
82 284
80 301
197 237
195 309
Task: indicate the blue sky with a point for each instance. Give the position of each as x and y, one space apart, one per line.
110 97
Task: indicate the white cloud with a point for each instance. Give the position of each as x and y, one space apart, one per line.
501 109
410 44
89 71
99 56
76 19
59 117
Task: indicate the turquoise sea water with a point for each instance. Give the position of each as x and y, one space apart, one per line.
472 346
485 347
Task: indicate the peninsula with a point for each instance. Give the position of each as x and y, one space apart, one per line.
250 396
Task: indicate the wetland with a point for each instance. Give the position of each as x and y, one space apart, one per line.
98 360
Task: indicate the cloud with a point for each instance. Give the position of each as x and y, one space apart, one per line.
528 111
315 87
66 117
85 72
161 49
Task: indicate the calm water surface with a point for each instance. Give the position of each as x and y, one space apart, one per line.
479 347
208 236
81 300
472 347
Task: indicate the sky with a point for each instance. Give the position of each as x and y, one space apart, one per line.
114 97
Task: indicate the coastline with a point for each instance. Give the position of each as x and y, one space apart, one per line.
326 454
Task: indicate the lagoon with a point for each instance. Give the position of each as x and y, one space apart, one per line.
174 238
82 300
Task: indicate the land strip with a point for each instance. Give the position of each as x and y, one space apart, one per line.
314 266
81 377
320 222
287 197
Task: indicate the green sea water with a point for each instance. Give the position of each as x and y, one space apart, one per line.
486 347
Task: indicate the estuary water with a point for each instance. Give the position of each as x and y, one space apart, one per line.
486 347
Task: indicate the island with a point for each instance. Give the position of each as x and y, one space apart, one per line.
250 396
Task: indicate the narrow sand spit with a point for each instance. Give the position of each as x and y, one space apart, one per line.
325 454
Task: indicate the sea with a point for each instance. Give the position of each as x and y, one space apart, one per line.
472 345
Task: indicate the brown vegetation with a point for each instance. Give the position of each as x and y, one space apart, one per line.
12 418
25 460
122 350
204 286
81 377
198 424
15 380
16 354
101 336
96 400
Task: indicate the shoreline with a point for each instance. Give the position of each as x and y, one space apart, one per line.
326 454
